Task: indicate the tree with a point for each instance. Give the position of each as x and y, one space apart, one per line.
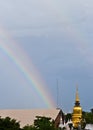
68 117
88 116
9 124
41 123
29 127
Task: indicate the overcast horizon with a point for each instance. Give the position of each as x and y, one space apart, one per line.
57 36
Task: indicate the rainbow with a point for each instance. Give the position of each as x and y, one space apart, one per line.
25 66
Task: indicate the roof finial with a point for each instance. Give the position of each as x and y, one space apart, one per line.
77 96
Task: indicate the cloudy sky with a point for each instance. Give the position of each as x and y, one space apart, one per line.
56 36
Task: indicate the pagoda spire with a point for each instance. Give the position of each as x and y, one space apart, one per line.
77 100
77 96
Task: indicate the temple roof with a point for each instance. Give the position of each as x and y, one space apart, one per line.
27 116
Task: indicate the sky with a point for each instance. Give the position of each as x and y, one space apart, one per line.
51 41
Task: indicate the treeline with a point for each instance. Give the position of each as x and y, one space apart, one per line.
41 123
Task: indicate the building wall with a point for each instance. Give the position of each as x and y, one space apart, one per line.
59 116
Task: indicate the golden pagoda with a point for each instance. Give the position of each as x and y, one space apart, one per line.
77 112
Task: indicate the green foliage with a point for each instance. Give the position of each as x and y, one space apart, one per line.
9 124
29 127
92 110
41 123
68 116
88 116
